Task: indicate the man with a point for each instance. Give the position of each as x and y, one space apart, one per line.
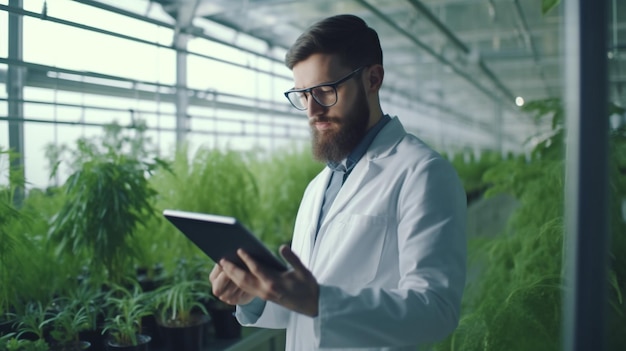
381 266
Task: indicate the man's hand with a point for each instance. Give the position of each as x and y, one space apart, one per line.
295 289
225 290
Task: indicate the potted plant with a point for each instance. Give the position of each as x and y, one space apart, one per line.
90 298
30 322
10 342
179 306
107 197
68 319
125 309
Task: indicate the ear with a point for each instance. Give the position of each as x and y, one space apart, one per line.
374 78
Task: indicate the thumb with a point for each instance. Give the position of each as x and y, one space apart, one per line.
291 258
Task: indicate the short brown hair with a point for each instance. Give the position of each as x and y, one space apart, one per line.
345 35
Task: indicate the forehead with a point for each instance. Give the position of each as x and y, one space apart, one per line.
318 69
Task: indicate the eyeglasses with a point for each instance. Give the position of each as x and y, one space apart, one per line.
324 94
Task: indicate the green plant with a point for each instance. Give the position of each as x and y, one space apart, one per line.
107 197
11 343
8 242
179 301
26 262
515 301
212 181
126 308
69 318
471 171
282 178
5 339
31 320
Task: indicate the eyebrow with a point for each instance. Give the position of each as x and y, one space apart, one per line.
312 86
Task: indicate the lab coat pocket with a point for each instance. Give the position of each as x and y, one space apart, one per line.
353 253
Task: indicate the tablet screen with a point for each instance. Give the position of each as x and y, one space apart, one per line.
220 237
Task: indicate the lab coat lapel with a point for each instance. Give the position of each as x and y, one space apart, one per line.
359 175
306 250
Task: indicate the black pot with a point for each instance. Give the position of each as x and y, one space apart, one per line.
6 325
184 338
225 324
150 327
94 337
72 346
142 340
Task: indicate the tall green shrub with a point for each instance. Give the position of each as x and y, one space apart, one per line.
8 241
108 196
282 178
209 181
514 301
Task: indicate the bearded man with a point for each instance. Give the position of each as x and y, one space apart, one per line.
379 250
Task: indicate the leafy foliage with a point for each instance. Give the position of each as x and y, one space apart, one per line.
107 197
179 301
548 5
515 302
471 171
8 241
126 309
32 320
282 179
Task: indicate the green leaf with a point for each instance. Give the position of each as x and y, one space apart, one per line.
548 5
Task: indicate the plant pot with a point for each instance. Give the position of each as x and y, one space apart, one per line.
143 344
94 337
6 325
184 338
225 324
150 327
72 346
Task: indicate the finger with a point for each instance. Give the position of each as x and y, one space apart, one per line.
234 272
258 270
292 258
221 284
215 272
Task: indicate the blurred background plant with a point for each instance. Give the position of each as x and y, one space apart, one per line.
513 300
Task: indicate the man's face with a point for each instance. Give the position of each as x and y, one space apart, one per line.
336 130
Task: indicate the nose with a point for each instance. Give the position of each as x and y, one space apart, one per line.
313 107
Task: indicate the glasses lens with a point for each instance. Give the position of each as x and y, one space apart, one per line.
325 95
297 99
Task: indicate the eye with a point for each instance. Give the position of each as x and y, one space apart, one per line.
324 90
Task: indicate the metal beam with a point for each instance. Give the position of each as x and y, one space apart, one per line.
531 43
423 9
15 91
488 92
587 176
182 97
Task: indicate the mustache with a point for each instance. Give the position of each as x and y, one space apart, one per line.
322 119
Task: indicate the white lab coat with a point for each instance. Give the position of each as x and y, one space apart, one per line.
389 257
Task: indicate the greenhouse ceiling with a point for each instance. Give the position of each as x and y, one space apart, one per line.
472 61
459 67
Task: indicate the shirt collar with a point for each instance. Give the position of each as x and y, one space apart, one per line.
348 163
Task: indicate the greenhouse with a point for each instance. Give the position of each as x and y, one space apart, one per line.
112 111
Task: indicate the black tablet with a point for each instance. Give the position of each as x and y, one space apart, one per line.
220 237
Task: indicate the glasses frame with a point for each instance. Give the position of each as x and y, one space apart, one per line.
333 85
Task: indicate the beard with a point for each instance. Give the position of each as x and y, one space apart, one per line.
335 145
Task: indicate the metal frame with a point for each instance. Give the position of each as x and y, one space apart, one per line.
15 92
587 235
